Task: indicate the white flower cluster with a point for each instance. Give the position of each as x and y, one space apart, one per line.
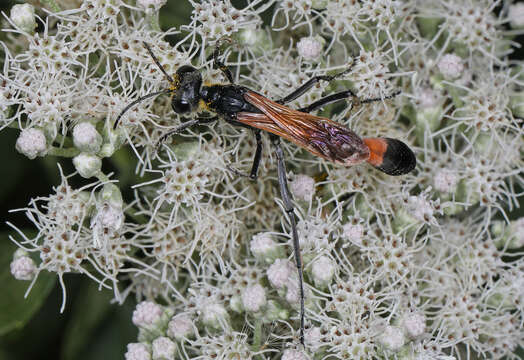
421 266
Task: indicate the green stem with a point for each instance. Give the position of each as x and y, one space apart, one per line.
102 177
153 20
51 5
139 218
63 152
257 335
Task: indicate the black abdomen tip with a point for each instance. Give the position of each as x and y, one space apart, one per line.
398 158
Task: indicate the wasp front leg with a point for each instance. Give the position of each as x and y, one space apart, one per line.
343 95
220 65
309 84
182 127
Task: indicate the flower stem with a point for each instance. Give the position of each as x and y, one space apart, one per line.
63 152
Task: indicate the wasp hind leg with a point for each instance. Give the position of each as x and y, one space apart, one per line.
289 208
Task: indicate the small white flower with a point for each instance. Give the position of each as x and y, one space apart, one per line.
303 187
414 324
445 181
137 351
353 232
146 314
291 354
323 270
87 165
392 338
106 221
254 298
451 66
23 15
23 268
180 326
86 138
421 208
31 143
310 48
163 349
279 273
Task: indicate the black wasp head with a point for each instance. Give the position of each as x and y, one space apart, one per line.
187 90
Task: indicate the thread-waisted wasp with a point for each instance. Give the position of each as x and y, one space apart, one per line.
241 106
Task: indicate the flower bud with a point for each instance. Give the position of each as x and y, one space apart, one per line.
181 326
302 187
214 315
414 324
254 298
147 314
86 138
137 351
31 143
23 268
23 16
87 165
516 15
310 48
264 248
392 338
451 66
323 270
163 348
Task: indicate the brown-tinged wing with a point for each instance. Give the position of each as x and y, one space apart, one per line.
320 136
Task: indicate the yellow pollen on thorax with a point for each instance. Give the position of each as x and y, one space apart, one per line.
173 85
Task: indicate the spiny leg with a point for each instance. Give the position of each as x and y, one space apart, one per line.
289 208
309 84
343 95
184 126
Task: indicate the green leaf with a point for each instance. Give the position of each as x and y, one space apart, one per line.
15 311
90 308
110 341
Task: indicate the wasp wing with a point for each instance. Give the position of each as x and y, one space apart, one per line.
320 136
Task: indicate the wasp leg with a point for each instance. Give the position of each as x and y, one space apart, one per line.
309 84
253 174
288 206
184 126
220 65
343 95
258 155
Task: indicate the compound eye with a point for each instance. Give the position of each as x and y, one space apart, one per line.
180 106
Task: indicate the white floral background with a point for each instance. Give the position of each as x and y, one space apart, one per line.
423 266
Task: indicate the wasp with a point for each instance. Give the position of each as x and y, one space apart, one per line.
241 106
